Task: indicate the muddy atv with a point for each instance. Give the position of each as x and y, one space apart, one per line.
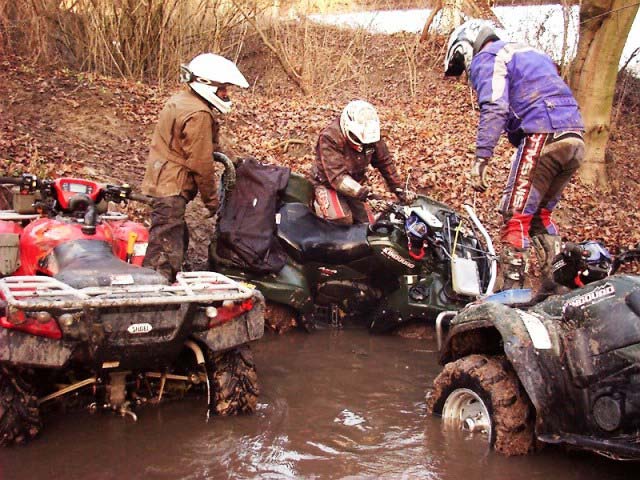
564 371
82 324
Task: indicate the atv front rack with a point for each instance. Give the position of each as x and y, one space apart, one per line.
35 292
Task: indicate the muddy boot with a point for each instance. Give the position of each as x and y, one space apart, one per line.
547 247
515 263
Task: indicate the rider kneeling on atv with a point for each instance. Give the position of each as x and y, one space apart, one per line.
345 148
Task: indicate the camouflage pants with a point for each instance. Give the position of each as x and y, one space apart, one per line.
168 236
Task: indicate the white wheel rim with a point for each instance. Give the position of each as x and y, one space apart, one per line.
464 410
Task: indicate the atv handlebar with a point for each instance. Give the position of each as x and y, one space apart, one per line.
119 194
625 257
26 181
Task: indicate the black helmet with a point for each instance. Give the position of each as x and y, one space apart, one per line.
582 263
464 44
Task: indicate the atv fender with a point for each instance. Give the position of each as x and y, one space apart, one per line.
241 330
30 350
495 329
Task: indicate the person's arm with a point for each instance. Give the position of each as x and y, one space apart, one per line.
200 138
331 159
490 80
384 163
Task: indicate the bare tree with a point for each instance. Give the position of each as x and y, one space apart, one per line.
604 28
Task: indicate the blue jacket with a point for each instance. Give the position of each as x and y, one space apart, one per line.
519 92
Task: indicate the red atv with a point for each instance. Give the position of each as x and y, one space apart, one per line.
81 320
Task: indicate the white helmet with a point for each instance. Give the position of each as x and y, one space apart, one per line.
207 72
465 42
359 123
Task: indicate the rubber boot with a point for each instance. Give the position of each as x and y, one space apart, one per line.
515 265
547 247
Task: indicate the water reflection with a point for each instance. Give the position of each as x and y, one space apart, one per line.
345 405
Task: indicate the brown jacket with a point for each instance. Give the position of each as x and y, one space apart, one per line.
180 158
335 159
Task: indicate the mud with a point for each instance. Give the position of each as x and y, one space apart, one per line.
333 404
279 318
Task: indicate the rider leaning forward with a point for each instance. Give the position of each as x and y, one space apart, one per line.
345 148
520 92
180 159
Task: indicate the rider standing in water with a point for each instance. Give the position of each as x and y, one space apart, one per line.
180 158
345 148
520 92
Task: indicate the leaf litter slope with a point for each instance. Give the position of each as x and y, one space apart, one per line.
59 122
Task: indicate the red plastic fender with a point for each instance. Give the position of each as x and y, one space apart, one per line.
121 231
41 236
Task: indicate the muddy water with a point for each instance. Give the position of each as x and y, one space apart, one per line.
335 404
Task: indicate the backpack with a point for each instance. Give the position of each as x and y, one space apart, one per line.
247 231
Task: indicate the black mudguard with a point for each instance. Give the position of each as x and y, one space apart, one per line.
474 329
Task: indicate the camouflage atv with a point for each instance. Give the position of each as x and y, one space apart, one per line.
564 371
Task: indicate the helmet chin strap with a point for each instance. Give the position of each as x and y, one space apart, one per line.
358 147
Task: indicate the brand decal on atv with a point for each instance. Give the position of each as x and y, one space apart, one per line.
596 295
122 280
140 249
139 328
327 271
392 254
537 331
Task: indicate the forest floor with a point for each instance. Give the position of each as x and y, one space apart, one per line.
55 121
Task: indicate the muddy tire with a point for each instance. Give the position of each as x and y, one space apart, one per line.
280 318
19 412
483 395
233 381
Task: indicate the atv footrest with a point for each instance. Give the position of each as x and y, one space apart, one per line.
34 292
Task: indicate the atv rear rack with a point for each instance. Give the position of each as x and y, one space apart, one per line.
35 292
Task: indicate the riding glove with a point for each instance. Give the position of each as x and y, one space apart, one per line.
479 174
363 193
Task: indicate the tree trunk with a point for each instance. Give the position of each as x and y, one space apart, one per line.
604 28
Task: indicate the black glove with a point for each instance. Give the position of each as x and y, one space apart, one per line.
479 174
363 193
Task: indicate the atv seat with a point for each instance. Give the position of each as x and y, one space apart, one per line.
91 263
308 237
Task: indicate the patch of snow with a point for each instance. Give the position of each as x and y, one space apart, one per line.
540 26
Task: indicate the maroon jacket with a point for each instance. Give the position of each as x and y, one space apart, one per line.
335 159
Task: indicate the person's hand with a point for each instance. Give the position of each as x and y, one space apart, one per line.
405 196
479 174
363 193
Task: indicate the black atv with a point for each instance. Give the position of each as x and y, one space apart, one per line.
563 371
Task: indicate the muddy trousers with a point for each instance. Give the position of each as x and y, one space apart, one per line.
540 170
339 208
168 236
